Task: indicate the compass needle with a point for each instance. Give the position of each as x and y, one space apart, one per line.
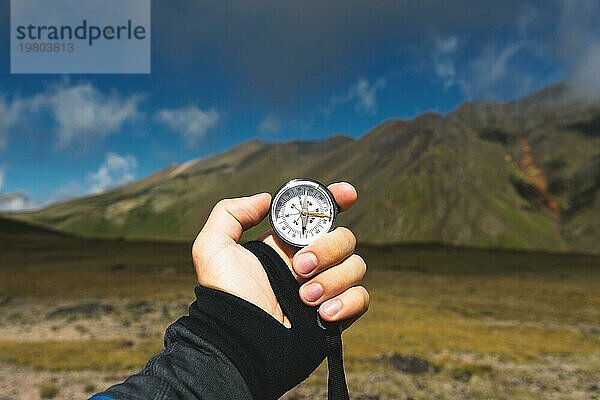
320 215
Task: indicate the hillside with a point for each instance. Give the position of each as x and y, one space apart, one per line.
12 228
523 174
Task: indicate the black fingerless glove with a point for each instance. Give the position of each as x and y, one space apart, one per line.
271 358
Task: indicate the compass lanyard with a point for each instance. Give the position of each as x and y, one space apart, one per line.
337 389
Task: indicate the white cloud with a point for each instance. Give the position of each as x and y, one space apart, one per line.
116 170
83 113
579 44
491 74
270 124
366 95
16 201
507 66
447 45
80 113
444 53
586 74
10 114
503 71
191 122
526 19
362 94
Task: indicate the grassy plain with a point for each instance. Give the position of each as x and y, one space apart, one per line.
77 314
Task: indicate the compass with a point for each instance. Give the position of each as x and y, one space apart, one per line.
302 211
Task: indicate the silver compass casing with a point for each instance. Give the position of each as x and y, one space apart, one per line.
283 230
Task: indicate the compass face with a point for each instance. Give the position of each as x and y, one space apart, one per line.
302 211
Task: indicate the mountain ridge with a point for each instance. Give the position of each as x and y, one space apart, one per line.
523 174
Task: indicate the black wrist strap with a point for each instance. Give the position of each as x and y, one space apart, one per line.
337 389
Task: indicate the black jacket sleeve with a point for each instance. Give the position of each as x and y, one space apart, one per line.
228 348
187 368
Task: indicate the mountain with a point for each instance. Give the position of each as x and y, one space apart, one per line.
10 229
523 174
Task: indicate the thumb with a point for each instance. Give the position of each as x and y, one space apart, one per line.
231 217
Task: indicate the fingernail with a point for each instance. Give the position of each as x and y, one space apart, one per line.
332 307
313 292
305 263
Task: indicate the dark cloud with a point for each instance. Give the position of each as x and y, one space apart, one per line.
277 48
283 52
4 33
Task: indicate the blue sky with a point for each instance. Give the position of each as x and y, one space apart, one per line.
227 72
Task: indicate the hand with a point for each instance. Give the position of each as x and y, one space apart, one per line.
328 270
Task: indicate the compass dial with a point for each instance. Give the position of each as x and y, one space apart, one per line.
302 211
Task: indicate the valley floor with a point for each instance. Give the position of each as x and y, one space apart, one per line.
445 323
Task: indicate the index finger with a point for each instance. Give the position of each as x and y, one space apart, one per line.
344 193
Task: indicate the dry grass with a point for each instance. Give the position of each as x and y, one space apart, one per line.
99 355
490 322
511 317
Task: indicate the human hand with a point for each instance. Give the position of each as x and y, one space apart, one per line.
328 270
